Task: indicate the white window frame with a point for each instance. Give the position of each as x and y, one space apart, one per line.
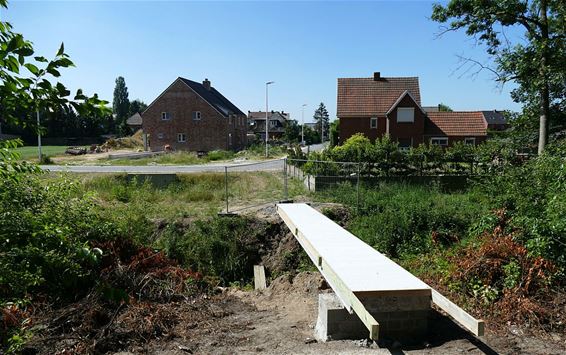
165 116
405 109
373 123
439 139
181 137
160 135
470 140
197 116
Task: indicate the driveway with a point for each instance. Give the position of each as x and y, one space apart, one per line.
268 165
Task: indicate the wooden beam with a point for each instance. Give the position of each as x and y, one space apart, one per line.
259 277
463 318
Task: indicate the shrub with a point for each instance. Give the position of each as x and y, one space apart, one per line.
225 248
403 219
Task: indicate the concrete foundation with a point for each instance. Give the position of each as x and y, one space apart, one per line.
401 318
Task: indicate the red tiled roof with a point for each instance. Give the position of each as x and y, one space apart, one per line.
362 97
456 123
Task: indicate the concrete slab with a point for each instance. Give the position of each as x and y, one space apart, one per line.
360 267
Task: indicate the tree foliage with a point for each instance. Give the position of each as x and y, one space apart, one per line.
26 86
322 121
121 105
535 61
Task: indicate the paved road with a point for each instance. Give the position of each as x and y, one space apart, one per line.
269 165
315 147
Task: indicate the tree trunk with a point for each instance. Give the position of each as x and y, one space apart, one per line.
544 119
545 90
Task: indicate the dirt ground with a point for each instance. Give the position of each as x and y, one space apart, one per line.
278 320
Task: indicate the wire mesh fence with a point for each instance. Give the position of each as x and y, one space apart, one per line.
261 183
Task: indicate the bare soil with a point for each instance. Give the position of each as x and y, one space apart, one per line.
278 320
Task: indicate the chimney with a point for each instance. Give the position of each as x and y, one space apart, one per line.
376 76
206 84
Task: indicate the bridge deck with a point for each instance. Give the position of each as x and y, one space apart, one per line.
362 268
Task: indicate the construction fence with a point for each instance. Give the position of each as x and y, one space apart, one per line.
257 184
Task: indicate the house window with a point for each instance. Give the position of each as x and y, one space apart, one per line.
273 123
405 144
230 139
442 141
373 123
181 137
406 114
196 116
165 116
159 135
470 140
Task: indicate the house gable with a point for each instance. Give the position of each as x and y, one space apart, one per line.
190 116
406 133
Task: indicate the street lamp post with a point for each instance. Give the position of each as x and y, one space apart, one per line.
266 119
303 125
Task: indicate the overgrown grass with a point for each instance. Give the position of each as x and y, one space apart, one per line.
401 220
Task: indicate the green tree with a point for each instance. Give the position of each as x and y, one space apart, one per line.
136 106
322 121
444 108
25 86
292 131
120 105
535 61
334 133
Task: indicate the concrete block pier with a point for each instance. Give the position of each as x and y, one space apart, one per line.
401 318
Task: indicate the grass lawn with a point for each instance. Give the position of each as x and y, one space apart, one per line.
30 152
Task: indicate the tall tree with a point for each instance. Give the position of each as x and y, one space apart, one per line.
26 93
136 106
322 121
535 61
120 105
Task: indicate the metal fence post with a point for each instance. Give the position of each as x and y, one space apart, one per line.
226 186
358 189
286 192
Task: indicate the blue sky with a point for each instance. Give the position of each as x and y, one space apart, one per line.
302 46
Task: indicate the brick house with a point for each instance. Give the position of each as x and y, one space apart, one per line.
195 117
378 106
277 123
447 128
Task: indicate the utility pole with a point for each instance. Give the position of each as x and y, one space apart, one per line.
303 125
266 118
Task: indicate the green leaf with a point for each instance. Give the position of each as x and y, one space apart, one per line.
32 68
41 59
61 50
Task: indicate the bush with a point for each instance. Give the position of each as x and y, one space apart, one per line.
533 193
402 219
225 248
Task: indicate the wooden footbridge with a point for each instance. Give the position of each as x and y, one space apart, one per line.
367 282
